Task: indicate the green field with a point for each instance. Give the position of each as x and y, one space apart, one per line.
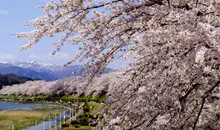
86 118
23 118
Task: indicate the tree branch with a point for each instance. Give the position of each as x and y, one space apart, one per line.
203 102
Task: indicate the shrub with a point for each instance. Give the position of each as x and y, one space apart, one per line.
86 107
74 122
84 121
67 98
65 125
76 126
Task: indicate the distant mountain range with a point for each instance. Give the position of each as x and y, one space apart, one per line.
40 70
10 79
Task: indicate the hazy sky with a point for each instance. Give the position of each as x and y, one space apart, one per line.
13 15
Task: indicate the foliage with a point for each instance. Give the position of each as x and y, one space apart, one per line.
65 125
8 97
89 116
99 98
67 98
40 97
76 126
86 107
173 81
74 122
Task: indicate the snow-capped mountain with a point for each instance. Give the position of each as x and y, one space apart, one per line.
41 67
36 63
40 70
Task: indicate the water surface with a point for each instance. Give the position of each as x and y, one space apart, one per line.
20 106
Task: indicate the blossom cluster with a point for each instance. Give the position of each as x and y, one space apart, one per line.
174 80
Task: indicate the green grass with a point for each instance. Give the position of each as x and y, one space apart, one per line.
7 96
99 98
95 105
20 118
92 107
81 98
66 98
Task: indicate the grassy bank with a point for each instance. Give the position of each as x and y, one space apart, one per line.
86 119
87 107
65 98
23 118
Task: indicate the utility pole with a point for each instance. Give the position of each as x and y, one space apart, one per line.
75 113
60 120
64 117
49 123
43 123
12 127
70 115
55 122
36 124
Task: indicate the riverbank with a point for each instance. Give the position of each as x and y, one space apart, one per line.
55 98
87 108
20 119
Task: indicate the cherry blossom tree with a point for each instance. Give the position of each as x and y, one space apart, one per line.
174 79
67 86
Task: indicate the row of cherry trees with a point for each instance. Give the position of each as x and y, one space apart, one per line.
174 80
66 86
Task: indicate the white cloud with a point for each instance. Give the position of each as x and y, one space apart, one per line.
59 58
3 12
7 56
